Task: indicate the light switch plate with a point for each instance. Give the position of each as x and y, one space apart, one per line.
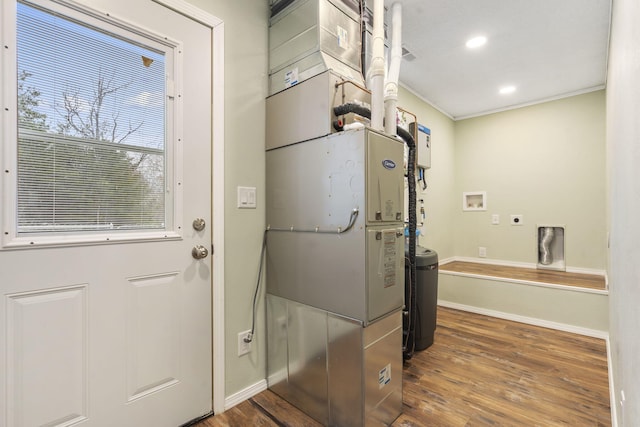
247 197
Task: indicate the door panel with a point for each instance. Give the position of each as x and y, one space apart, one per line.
110 333
36 322
152 334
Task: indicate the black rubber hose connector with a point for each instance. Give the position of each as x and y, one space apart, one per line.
350 107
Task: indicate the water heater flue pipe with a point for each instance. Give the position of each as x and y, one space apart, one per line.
391 83
375 75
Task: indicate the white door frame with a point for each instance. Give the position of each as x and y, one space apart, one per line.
217 185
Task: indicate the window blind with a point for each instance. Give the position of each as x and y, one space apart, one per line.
91 127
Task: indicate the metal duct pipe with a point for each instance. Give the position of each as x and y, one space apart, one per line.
546 257
391 84
377 68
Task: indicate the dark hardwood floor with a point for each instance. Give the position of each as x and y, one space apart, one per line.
481 371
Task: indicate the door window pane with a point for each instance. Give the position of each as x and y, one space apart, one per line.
91 128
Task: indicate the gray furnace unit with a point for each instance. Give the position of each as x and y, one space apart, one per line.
335 272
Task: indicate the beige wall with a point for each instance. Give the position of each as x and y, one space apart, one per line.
245 28
623 148
439 196
546 162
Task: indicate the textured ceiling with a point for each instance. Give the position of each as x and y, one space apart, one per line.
546 48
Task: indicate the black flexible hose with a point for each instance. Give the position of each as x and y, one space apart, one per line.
254 306
413 221
350 107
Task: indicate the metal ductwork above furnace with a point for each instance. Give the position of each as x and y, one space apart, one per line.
308 37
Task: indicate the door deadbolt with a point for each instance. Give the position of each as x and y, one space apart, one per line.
199 224
199 252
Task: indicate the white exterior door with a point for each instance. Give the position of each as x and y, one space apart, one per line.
111 326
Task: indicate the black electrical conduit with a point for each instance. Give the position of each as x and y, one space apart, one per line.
413 217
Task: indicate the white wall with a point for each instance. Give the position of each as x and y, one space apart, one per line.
438 197
546 162
623 145
246 46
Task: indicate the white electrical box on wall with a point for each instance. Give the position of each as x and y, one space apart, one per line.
423 145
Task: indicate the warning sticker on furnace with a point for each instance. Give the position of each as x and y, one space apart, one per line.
389 260
384 376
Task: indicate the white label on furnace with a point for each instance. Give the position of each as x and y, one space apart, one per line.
291 77
389 258
343 42
384 376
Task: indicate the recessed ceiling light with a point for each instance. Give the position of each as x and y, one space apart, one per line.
507 90
476 42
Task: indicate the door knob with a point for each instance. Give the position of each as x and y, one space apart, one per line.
199 252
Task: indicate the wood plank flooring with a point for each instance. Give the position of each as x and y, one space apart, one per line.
588 281
480 371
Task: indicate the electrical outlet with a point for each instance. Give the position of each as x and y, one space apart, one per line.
244 347
495 219
517 220
482 252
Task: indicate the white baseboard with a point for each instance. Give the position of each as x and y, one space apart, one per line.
528 320
244 394
612 389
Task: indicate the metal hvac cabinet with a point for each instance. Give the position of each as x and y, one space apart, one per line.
316 185
311 36
331 367
334 299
